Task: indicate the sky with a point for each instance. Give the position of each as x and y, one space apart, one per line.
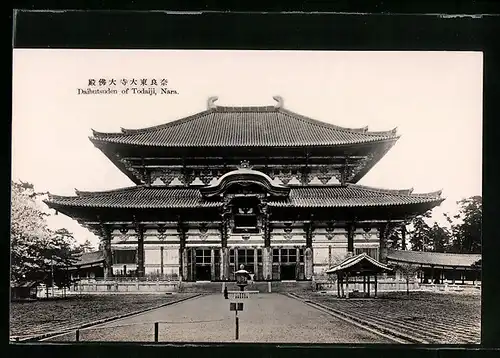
433 98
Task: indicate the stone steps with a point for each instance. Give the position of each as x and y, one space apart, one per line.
261 286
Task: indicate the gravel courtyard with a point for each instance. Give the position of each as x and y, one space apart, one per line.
29 319
266 318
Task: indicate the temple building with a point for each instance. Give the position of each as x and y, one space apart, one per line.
261 186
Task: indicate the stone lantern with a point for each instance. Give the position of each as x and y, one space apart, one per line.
242 276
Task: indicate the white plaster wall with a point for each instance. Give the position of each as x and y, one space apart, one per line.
320 256
171 256
339 236
151 256
236 240
338 254
278 237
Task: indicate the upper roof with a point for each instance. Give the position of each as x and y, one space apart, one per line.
433 258
161 197
264 126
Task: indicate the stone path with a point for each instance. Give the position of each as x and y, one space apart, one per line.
267 318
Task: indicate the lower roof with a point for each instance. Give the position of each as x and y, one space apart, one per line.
89 258
433 258
163 197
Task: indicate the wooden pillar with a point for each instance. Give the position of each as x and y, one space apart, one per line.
212 264
364 284
255 263
308 252
236 263
222 263
140 249
442 274
162 273
338 285
376 284
192 252
308 263
432 274
297 264
347 285
463 277
183 258
383 230
368 284
184 264
350 239
403 236
107 253
453 277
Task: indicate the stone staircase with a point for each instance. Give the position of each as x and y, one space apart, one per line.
291 286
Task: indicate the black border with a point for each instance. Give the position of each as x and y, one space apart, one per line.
312 31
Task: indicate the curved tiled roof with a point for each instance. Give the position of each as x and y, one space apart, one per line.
353 260
353 195
433 258
144 197
245 127
88 258
140 196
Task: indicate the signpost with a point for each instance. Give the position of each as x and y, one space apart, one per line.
241 280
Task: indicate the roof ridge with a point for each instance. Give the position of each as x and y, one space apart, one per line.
110 191
363 130
400 192
435 253
245 108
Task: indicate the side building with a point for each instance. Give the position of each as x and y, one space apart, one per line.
262 186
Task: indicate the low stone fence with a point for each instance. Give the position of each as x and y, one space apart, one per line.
391 285
383 285
103 287
445 287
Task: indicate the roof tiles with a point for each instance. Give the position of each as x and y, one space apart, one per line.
179 197
244 127
433 258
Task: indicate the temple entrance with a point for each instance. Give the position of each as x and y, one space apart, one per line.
250 258
203 273
288 272
288 264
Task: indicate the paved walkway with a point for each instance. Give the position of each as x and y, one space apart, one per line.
266 318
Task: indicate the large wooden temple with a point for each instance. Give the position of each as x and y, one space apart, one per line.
260 186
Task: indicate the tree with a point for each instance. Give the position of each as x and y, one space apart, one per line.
61 252
408 271
420 233
28 232
36 251
440 238
87 246
466 228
